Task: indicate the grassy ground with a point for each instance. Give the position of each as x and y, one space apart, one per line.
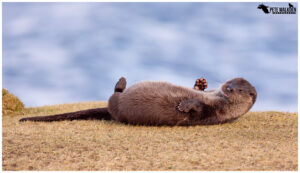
256 141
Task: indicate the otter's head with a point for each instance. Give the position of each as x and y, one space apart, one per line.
239 90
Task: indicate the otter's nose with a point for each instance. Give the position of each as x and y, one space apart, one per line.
229 89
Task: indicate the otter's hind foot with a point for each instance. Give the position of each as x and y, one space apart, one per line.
121 85
200 84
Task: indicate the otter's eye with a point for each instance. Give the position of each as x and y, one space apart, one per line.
240 90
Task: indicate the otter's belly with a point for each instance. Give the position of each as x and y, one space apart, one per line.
152 103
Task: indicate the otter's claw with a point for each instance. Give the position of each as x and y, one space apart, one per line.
183 107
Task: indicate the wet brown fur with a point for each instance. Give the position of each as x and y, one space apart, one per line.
162 103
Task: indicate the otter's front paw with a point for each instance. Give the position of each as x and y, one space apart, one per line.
200 84
183 107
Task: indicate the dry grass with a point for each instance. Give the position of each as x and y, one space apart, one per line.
257 141
11 104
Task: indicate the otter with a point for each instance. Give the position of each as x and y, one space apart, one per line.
162 103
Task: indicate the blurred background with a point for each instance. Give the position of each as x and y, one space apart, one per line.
57 53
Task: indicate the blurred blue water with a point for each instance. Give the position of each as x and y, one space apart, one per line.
70 52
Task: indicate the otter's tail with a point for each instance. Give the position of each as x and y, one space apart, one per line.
98 113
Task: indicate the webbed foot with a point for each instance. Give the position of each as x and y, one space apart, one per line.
121 85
